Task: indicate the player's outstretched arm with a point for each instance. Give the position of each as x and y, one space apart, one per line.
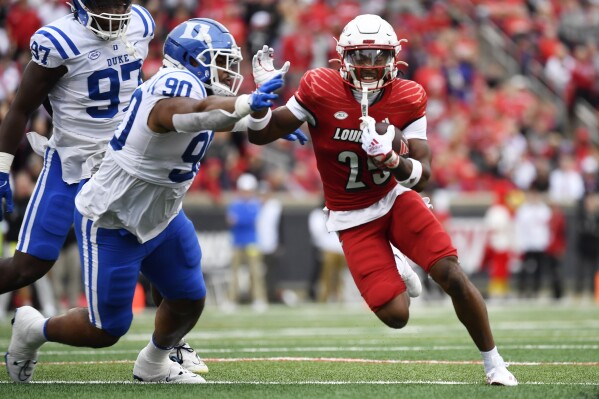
266 127
217 113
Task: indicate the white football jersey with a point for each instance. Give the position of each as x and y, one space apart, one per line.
88 101
142 180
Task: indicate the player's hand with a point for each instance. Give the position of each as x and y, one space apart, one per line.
263 68
298 135
5 194
262 98
377 146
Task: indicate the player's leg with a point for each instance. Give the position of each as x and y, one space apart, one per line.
325 282
47 220
173 267
467 300
421 237
236 262
110 263
257 281
182 352
372 265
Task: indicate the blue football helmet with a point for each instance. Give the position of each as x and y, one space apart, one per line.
205 47
101 16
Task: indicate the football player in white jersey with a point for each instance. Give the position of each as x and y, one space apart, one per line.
84 68
87 64
129 215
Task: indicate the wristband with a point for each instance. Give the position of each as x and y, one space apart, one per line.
242 106
415 175
259 124
5 161
393 161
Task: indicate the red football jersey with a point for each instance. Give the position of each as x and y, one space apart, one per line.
350 180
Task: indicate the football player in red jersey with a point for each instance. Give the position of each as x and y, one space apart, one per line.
370 191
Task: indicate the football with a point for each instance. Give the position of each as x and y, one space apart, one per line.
400 143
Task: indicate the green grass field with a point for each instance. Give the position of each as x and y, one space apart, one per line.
341 352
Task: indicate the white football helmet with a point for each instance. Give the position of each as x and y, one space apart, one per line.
107 19
369 48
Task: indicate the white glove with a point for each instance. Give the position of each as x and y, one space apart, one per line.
263 68
377 146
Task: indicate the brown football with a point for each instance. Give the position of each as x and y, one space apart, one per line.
400 144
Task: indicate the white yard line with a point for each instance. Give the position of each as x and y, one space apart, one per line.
378 348
415 382
334 360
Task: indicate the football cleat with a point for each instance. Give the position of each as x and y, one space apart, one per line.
500 375
167 372
188 358
21 357
409 276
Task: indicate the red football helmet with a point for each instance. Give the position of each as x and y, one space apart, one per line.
369 48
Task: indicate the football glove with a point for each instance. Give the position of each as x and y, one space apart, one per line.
263 68
262 98
298 135
5 194
377 146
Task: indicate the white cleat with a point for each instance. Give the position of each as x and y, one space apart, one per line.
167 372
21 357
409 276
500 375
188 358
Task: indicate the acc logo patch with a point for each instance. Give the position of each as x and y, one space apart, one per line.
94 55
340 115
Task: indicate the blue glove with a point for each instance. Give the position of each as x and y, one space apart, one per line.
263 97
6 194
297 135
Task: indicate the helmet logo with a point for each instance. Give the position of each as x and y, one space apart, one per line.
190 32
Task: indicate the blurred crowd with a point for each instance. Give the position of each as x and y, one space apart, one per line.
488 125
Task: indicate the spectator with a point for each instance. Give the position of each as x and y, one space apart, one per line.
330 255
565 182
532 237
21 23
588 243
242 215
268 228
558 69
556 248
500 245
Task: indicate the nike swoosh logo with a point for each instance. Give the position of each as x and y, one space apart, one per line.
3 184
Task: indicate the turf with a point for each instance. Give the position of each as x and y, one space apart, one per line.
337 351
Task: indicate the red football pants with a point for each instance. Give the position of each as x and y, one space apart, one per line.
412 228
